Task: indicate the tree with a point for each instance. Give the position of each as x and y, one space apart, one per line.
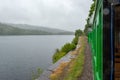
92 9
78 32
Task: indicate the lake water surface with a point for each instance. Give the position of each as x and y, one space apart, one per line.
21 55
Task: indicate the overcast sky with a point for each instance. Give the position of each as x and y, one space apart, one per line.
63 14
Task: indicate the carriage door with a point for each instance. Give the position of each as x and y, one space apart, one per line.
117 43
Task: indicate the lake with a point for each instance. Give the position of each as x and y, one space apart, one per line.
21 55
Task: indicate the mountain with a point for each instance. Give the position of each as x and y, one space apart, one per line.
25 29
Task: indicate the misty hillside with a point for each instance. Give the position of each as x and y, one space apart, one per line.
24 29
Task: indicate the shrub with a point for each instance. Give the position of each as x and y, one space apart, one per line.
68 47
35 75
57 56
75 40
60 53
78 32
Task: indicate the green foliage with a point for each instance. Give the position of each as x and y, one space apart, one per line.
78 32
75 40
57 56
87 26
36 75
39 71
64 50
76 67
92 9
72 70
77 64
68 47
57 51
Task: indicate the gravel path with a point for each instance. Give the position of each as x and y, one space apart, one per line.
87 71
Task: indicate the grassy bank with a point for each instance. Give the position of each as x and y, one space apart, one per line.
77 64
73 69
67 47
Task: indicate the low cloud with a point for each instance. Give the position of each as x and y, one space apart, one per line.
62 14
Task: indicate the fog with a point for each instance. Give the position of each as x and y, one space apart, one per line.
62 14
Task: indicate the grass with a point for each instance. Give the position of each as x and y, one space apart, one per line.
57 72
75 40
64 50
74 67
57 56
36 75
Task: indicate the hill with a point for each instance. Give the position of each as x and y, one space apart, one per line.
25 29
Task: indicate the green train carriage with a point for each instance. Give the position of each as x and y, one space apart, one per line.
102 40
96 42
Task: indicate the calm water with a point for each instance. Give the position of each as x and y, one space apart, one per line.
20 55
